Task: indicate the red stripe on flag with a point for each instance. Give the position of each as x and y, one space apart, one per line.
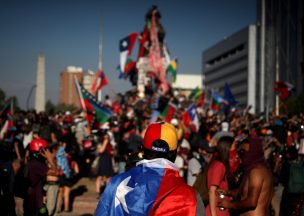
173 195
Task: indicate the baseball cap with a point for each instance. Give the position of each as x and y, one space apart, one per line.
221 134
160 131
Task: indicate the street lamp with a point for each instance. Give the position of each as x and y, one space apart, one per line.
29 96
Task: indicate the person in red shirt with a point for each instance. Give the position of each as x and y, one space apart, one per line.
218 174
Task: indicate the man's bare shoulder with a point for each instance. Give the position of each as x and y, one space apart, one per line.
260 171
259 168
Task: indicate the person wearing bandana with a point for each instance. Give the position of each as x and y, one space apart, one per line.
256 190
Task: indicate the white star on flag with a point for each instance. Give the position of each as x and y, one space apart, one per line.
124 43
122 190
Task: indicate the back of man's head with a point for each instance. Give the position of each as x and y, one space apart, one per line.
160 141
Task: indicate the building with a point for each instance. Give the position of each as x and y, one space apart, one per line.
68 92
187 82
251 60
233 61
280 51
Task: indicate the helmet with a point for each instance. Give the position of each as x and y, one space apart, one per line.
160 131
38 144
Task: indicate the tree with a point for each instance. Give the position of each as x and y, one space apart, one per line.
2 97
65 107
50 108
16 107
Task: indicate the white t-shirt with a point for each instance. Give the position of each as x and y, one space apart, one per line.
179 162
194 168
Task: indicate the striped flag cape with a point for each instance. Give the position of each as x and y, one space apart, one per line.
152 187
94 110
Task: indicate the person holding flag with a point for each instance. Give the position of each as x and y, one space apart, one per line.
153 186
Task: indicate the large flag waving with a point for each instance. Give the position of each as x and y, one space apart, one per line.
100 81
6 113
152 187
228 96
92 107
195 94
172 67
168 113
283 89
125 47
216 101
191 117
229 99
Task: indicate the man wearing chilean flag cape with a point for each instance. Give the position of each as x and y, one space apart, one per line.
153 186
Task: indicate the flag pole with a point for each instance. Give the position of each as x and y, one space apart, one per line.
83 104
277 101
99 93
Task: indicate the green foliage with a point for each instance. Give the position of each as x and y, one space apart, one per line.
16 107
65 107
2 97
50 108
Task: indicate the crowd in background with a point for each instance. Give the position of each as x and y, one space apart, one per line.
69 152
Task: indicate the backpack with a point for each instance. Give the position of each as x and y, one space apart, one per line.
296 177
201 186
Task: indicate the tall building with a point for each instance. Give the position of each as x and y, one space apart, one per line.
68 91
40 84
233 61
280 50
251 60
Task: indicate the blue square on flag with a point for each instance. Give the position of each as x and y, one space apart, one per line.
124 44
192 111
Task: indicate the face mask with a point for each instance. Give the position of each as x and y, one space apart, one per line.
206 159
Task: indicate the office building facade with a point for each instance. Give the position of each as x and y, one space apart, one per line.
280 51
233 61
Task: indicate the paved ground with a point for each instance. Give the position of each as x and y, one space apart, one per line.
83 197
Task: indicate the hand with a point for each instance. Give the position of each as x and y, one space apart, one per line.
224 203
47 154
221 191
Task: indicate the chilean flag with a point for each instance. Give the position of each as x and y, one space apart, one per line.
125 47
190 116
152 187
100 81
283 89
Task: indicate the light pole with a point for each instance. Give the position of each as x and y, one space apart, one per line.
29 96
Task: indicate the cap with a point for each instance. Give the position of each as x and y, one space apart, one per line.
160 131
221 134
38 144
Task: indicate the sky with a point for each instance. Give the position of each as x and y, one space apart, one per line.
68 32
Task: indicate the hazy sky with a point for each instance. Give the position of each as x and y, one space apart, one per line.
67 32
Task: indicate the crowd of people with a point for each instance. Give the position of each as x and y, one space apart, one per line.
242 157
